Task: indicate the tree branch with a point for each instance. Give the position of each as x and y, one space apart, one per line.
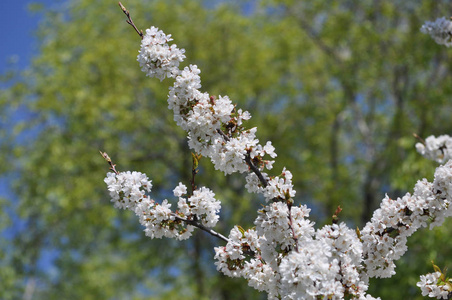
129 21
202 227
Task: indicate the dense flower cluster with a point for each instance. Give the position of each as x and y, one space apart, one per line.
430 287
277 188
440 30
327 263
326 267
157 58
283 255
385 236
201 205
438 148
127 189
213 125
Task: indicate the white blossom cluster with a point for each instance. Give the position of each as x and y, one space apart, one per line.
438 148
128 191
201 205
157 58
273 222
430 287
440 30
326 265
214 127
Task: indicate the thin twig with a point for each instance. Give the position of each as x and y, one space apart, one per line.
129 21
223 135
202 227
419 138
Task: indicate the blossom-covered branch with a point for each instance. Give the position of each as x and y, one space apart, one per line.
439 149
283 255
384 237
128 190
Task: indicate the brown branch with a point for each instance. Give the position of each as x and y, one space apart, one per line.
223 135
129 20
210 231
255 170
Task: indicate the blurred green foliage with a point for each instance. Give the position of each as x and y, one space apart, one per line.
338 86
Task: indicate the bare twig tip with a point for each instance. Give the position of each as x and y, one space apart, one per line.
129 20
105 156
122 7
419 138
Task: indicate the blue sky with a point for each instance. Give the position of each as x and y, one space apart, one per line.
17 25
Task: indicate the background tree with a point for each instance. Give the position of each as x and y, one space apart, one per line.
338 86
